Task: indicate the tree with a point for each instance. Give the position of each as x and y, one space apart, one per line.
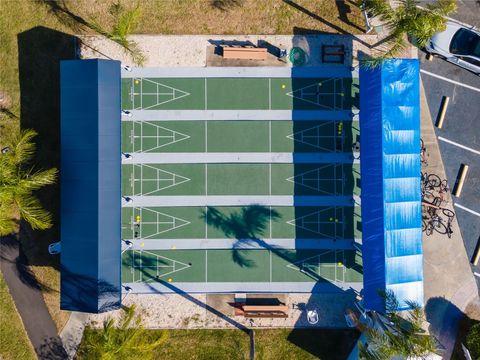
18 181
393 335
407 19
125 22
127 341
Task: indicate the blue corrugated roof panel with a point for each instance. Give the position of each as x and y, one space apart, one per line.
391 197
90 177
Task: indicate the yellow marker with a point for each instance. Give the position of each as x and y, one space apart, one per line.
283 86
173 247
169 279
137 81
138 219
340 264
142 244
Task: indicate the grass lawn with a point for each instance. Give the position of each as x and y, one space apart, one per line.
269 343
14 343
30 60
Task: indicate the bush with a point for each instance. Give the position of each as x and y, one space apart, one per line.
473 341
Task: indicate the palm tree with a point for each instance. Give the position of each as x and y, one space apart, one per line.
125 22
18 181
393 335
127 341
408 19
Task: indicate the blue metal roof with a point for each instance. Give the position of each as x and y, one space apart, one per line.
391 196
90 177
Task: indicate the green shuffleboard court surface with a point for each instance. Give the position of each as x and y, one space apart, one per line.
238 265
239 93
239 136
285 222
241 179
201 153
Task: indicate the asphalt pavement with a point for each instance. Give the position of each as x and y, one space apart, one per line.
459 138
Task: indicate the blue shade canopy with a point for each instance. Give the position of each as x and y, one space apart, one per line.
90 177
391 196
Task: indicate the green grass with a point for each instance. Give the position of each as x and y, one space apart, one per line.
14 343
271 344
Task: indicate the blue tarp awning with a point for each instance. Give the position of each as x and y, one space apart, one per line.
391 195
90 185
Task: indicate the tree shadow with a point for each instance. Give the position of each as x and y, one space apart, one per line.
12 253
88 294
322 20
225 5
39 53
59 9
444 319
331 344
343 10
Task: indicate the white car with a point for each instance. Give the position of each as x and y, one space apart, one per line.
459 45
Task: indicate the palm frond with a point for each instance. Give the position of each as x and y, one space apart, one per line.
443 7
38 179
32 211
8 224
23 147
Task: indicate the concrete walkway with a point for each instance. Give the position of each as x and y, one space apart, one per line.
449 284
72 332
27 294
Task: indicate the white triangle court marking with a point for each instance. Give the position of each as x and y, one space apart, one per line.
173 178
302 222
175 136
175 93
299 179
301 137
183 266
316 90
173 221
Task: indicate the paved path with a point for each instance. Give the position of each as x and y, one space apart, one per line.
27 294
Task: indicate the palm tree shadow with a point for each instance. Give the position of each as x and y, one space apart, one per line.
247 226
60 10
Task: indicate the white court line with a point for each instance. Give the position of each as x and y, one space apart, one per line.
450 81
459 145
467 209
476 274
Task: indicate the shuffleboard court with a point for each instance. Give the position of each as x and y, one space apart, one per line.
241 179
239 136
239 93
237 265
279 222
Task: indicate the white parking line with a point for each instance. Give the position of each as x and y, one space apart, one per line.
459 145
468 210
450 81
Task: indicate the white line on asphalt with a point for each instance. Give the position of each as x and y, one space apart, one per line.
459 145
450 81
468 210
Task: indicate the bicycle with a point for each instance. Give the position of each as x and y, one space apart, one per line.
423 154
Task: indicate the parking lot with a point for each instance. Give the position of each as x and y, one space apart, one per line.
459 138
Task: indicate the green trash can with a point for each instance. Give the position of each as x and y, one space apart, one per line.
297 56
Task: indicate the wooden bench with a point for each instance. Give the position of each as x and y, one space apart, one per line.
265 311
249 53
333 54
